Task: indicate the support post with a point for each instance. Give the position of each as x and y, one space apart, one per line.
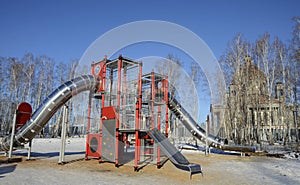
158 127
88 127
102 105
152 100
29 151
207 134
137 120
12 136
63 135
124 88
166 92
120 66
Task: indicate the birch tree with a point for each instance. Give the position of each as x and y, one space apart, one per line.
264 55
294 91
232 64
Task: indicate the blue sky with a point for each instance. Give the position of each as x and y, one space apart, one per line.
64 29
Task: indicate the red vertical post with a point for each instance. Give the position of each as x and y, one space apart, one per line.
140 107
89 120
103 77
103 104
111 79
123 97
137 119
88 125
158 127
124 89
158 117
166 92
118 109
152 99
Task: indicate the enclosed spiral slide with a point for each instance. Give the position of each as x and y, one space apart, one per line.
48 108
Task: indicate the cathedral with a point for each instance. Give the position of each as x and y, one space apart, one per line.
255 112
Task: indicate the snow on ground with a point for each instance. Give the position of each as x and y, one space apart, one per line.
292 155
218 169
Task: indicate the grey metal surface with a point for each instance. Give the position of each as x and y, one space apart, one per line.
173 154
191 125
167 148
49 106
199 132
109 140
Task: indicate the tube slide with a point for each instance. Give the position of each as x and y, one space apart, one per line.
48 108
199 132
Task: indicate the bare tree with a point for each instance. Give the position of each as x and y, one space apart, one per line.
295 72
171 68
63 75
233 64
28 71
3 99
265 56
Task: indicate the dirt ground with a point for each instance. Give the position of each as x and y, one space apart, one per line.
218 169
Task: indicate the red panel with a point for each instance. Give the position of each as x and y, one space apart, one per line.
93 146
108 112
24 112
99 69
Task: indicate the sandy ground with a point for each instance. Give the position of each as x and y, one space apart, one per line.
218 169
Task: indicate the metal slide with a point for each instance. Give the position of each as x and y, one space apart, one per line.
199 132
47 109
173 154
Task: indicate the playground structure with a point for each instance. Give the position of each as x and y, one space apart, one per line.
133 105
132 120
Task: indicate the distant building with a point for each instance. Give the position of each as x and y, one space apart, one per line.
252 115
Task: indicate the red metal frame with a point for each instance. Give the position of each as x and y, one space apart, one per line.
89 153
118 113
166 92
152 99
158 127
124 90
103 104
87 146
102 78
137 119
121 101
100 74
